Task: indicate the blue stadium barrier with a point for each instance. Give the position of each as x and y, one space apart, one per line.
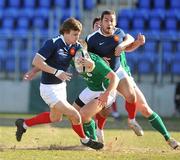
168 57
44 4
178 47
145 4
2 4
29 3
27 12
42 12
62 3
89 5
167 46
156 17
38 23
14 3
24 61
150 46
2 61
171 20
175 4
11 12
10 62
23 22
176 64
124 22
159 4
8 23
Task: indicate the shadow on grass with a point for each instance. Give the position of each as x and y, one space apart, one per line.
51 147
172 124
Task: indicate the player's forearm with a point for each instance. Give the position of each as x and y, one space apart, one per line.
133 46
127 41
114 80
40 64
35 70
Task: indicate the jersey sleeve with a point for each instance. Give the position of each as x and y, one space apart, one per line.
47 49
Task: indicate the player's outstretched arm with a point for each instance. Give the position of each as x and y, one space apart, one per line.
31 73
122 46
136 44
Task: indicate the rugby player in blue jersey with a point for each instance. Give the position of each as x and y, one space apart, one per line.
108 18
106 42
53 59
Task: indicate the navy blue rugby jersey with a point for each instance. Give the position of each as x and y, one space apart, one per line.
105 46
57 54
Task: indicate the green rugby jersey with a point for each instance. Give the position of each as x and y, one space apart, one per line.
96 80
124 63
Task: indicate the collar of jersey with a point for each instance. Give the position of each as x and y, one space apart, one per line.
62 37
99 30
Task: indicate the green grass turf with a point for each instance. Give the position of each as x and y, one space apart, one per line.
58 141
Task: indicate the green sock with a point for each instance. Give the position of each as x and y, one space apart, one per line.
158 124
86 131
90 129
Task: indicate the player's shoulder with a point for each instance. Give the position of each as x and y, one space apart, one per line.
118 31
94 34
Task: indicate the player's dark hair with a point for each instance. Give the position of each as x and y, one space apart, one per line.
70 24
95 20
107 12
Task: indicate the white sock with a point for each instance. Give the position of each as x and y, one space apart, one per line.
132 120
25 126
85 140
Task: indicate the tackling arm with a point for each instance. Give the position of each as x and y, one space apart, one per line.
137 43
122 46
114 80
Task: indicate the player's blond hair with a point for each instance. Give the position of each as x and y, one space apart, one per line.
70 24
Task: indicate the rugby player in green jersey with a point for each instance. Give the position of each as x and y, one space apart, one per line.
101 87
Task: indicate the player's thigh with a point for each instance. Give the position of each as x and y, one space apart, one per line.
76 106
66 108
90 109
126 89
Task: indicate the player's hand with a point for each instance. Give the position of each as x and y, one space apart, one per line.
85 62
103 98
118 50
64 76
141 39
106 59
29 75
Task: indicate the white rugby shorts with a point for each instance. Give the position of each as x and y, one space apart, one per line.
87 95
121 73
53 93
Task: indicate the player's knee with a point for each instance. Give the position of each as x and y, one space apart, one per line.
75 117
55 118
105 112
145 110
84 116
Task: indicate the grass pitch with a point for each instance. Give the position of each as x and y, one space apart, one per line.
59 142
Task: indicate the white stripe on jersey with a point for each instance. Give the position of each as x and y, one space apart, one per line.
99 31
56 38
41 56
90 35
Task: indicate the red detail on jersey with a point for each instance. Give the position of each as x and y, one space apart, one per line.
72 51
116 38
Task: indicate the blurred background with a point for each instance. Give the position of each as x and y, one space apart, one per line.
26 24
